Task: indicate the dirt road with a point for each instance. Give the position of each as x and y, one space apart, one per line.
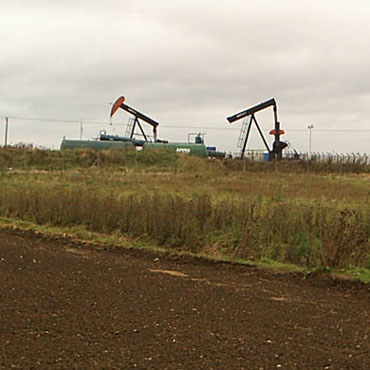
67 306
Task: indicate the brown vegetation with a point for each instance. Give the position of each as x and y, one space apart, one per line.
192 204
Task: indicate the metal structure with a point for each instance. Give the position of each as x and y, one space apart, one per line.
119 103
196 148
199 150
6 131
95 144
103 136
199 137
107 141
250 118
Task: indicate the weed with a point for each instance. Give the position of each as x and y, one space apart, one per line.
191 204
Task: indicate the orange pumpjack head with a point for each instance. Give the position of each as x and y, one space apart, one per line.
116 105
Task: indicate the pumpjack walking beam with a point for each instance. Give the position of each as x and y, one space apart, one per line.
278 146
252 110
119 103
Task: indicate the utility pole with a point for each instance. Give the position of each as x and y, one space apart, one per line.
81 130
310 127
6 131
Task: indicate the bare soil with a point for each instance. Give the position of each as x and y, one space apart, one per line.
65 305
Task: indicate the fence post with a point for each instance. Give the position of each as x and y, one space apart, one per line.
6 131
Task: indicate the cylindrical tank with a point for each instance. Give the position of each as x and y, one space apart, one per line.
187 148
215 154
94 144
199 139
105 137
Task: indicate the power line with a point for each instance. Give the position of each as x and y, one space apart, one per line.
60 120
338 130
267 129
201 126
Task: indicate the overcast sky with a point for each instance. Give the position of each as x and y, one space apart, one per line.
187 64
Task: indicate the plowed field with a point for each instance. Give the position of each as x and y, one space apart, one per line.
64 305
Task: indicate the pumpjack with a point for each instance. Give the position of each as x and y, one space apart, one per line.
197 148
119 103
250 118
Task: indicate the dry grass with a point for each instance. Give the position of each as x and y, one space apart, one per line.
196 205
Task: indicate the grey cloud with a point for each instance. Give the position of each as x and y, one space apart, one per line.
189 62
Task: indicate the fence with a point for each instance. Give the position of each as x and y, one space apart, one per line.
347 158
328 158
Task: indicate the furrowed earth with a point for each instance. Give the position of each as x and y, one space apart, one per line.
67 305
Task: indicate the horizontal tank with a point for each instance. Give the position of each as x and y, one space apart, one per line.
94 144
187 148
105 137
216 154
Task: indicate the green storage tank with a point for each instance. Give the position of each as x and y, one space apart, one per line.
187 148
94 144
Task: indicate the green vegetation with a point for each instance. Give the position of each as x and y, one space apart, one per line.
33 158
181 203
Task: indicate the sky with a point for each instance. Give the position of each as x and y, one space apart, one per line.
188 65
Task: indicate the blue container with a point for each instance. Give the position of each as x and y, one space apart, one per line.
266 157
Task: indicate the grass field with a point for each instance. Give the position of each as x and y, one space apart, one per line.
313 218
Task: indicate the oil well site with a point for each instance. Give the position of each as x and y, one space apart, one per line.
131 251
185 185
135 129
136 136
